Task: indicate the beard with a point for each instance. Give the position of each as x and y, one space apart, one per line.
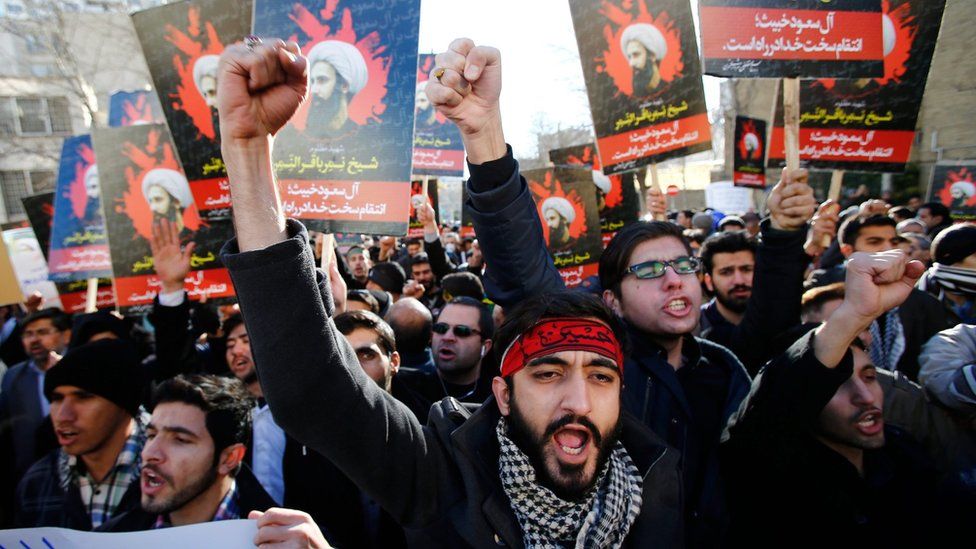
215 120
184 496
575 486
643 78
172 215
321 113
250 377
558 235
734 304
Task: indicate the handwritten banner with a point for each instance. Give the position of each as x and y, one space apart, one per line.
749 153
811 38
616 197
567 205
142 184
868 124
437 147
643 77
954 184
128 108
79 247
182 43
343 160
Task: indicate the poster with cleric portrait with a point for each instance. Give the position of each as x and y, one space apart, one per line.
142 184
868 124
954 184
79 247
643 78
566 201
417 199
749 153
128 108
343 160
790 38
182 43
616 196
40 214
437 147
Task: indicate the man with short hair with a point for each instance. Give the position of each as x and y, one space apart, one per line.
374 344
359 264
412 325
936 217
362 300
564 476
731 223
728 261
422 273
809 455
23 405
95 393
192 461
684 218
389 277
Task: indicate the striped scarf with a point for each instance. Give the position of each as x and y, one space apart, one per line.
887 348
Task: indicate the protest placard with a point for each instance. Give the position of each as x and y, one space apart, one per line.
643 78
78 246
566 202
417 199
10 292
790 38
40 214
128 108
343 160
868 124
437 146
954 184
223 534
727 198
182 43
141 184
616 197
30 268
749 153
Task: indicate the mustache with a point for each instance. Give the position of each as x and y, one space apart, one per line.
862 411
739 287
579 420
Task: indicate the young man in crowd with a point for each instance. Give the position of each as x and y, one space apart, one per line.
525 468
357 258
95 393
936 217
413 326
952 280
809 457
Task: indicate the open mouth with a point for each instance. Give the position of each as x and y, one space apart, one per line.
572 440
152 482
677 306
66 436
870 423
446 354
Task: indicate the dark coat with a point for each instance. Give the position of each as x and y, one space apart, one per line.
45 499
519 266
440 481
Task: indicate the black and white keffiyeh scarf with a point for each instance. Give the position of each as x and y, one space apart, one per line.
602 519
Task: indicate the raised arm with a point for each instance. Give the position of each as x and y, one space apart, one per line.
308 372
465 88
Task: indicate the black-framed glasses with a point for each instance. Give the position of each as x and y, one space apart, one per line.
460 330
656 269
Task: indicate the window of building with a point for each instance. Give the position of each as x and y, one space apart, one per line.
34 116
17 184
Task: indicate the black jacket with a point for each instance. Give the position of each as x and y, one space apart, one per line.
519 266
440 481
786 488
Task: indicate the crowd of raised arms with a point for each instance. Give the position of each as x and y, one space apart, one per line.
723 382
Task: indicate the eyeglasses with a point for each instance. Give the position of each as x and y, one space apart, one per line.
656 269
460 330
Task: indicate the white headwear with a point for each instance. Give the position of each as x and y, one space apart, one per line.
91 177
648 36
206 65
421 86
561 206
417 201
347 60
967 188
752 142
887 34
172 182
601 181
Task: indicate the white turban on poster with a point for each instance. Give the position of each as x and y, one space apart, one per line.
963 188
172 182
91 181
561 206
602 182
205 66
752 142
345 58
648 36
887 34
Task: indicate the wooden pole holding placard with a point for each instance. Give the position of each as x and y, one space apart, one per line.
656 185
328 249
91 297
791 122
836 180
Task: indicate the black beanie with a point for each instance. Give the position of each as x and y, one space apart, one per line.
954 244
109 368
389 276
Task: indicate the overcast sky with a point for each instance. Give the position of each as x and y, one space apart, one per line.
542 77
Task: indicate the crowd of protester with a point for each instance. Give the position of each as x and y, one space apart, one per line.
802 377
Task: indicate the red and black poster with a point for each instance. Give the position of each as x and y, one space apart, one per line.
566 201
142 184
749 153
791 38
437 147
643 78
868 124
40 213
128 108
616 196
343 160
954 184
417 199
182 43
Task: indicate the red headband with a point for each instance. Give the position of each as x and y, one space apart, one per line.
551 335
